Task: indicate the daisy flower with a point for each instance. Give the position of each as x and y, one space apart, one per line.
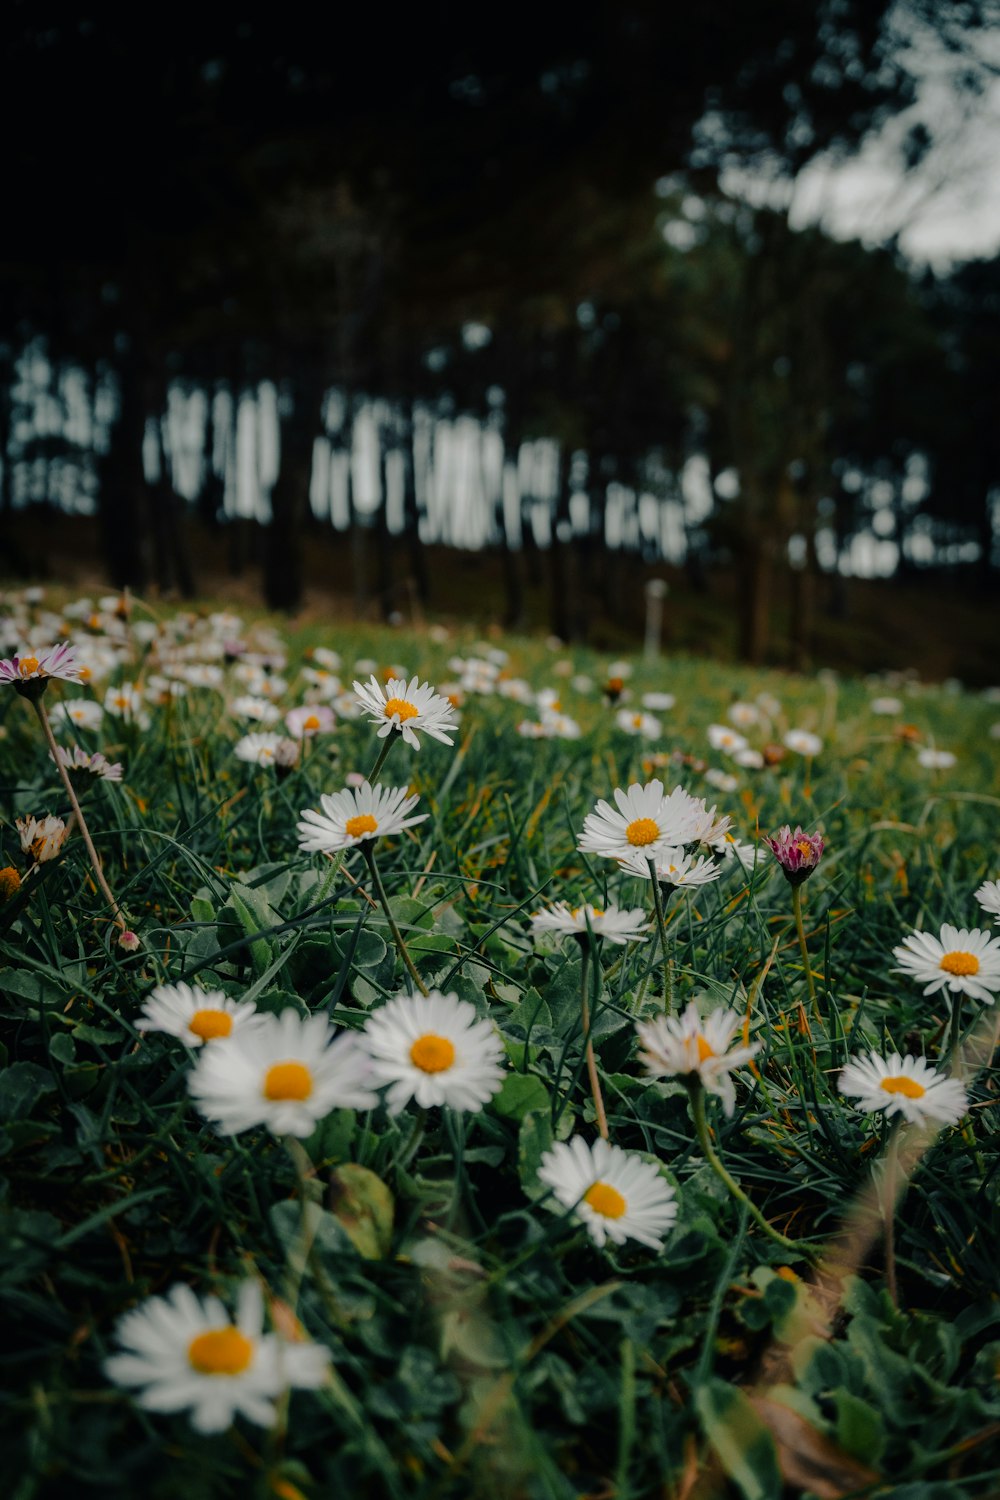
643 819
673 867
988 896
904 1085
688 1045
749 759
186 1353
82 713
802 742
936 760
96 765
354 815
556 726
266 749
658 702
616 1194
309 720
257 709
886 706
125 702
41 838
965 960
408 709
721 737
614 924
30 674
743 715
436 1050
723 781
797 853
288 1073
641 724
193 1015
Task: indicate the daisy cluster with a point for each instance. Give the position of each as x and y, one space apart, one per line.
456 1051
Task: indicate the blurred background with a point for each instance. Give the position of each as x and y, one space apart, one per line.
503 313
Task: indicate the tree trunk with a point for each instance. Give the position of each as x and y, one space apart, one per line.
122 487
754 612
283 566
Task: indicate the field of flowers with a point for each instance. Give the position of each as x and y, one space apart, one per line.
436 1069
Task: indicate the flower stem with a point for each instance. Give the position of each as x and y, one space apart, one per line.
668 973
43 719
397 936
588 1046
696 1094
797 909
387 745
889 1190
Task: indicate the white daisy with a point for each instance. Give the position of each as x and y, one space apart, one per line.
904 1085
258 709
193 1015
436 1050
721 737
287 1073
41 838
354 815
658 702
673 867
802 742
126 702
556 726
639 724
749 759
408 708
679 1046
965 960
323 684
266 749
936 760
743 715
186 1353
723 781
614 924
988 896
644 820
616 1194
82 713
886 706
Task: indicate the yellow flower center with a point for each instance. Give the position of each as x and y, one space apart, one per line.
85 674
960 963
642 831
804 847
595 911
399 707
605 1200
908 1087
220 1351
10 882
210 1023
704 1050
359 825
27 666
637 721
432 1054
288 1080
311 722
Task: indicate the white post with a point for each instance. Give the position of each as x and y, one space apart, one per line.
656 592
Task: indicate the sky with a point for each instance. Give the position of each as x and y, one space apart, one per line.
948 208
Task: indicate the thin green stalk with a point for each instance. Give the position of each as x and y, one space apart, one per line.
397 936
387 744
797 909
696 1094
43 719
668 973
588 1046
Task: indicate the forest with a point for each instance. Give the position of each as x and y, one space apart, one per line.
486 286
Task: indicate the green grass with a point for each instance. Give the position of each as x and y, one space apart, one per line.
483 1346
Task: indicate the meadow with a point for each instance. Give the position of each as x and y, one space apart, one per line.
425 1146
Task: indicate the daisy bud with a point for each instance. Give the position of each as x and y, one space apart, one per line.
129 941
797 853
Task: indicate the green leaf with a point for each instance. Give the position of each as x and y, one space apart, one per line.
364 1206
859 1427
62 1047
21 1086
742 1443
521 1092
